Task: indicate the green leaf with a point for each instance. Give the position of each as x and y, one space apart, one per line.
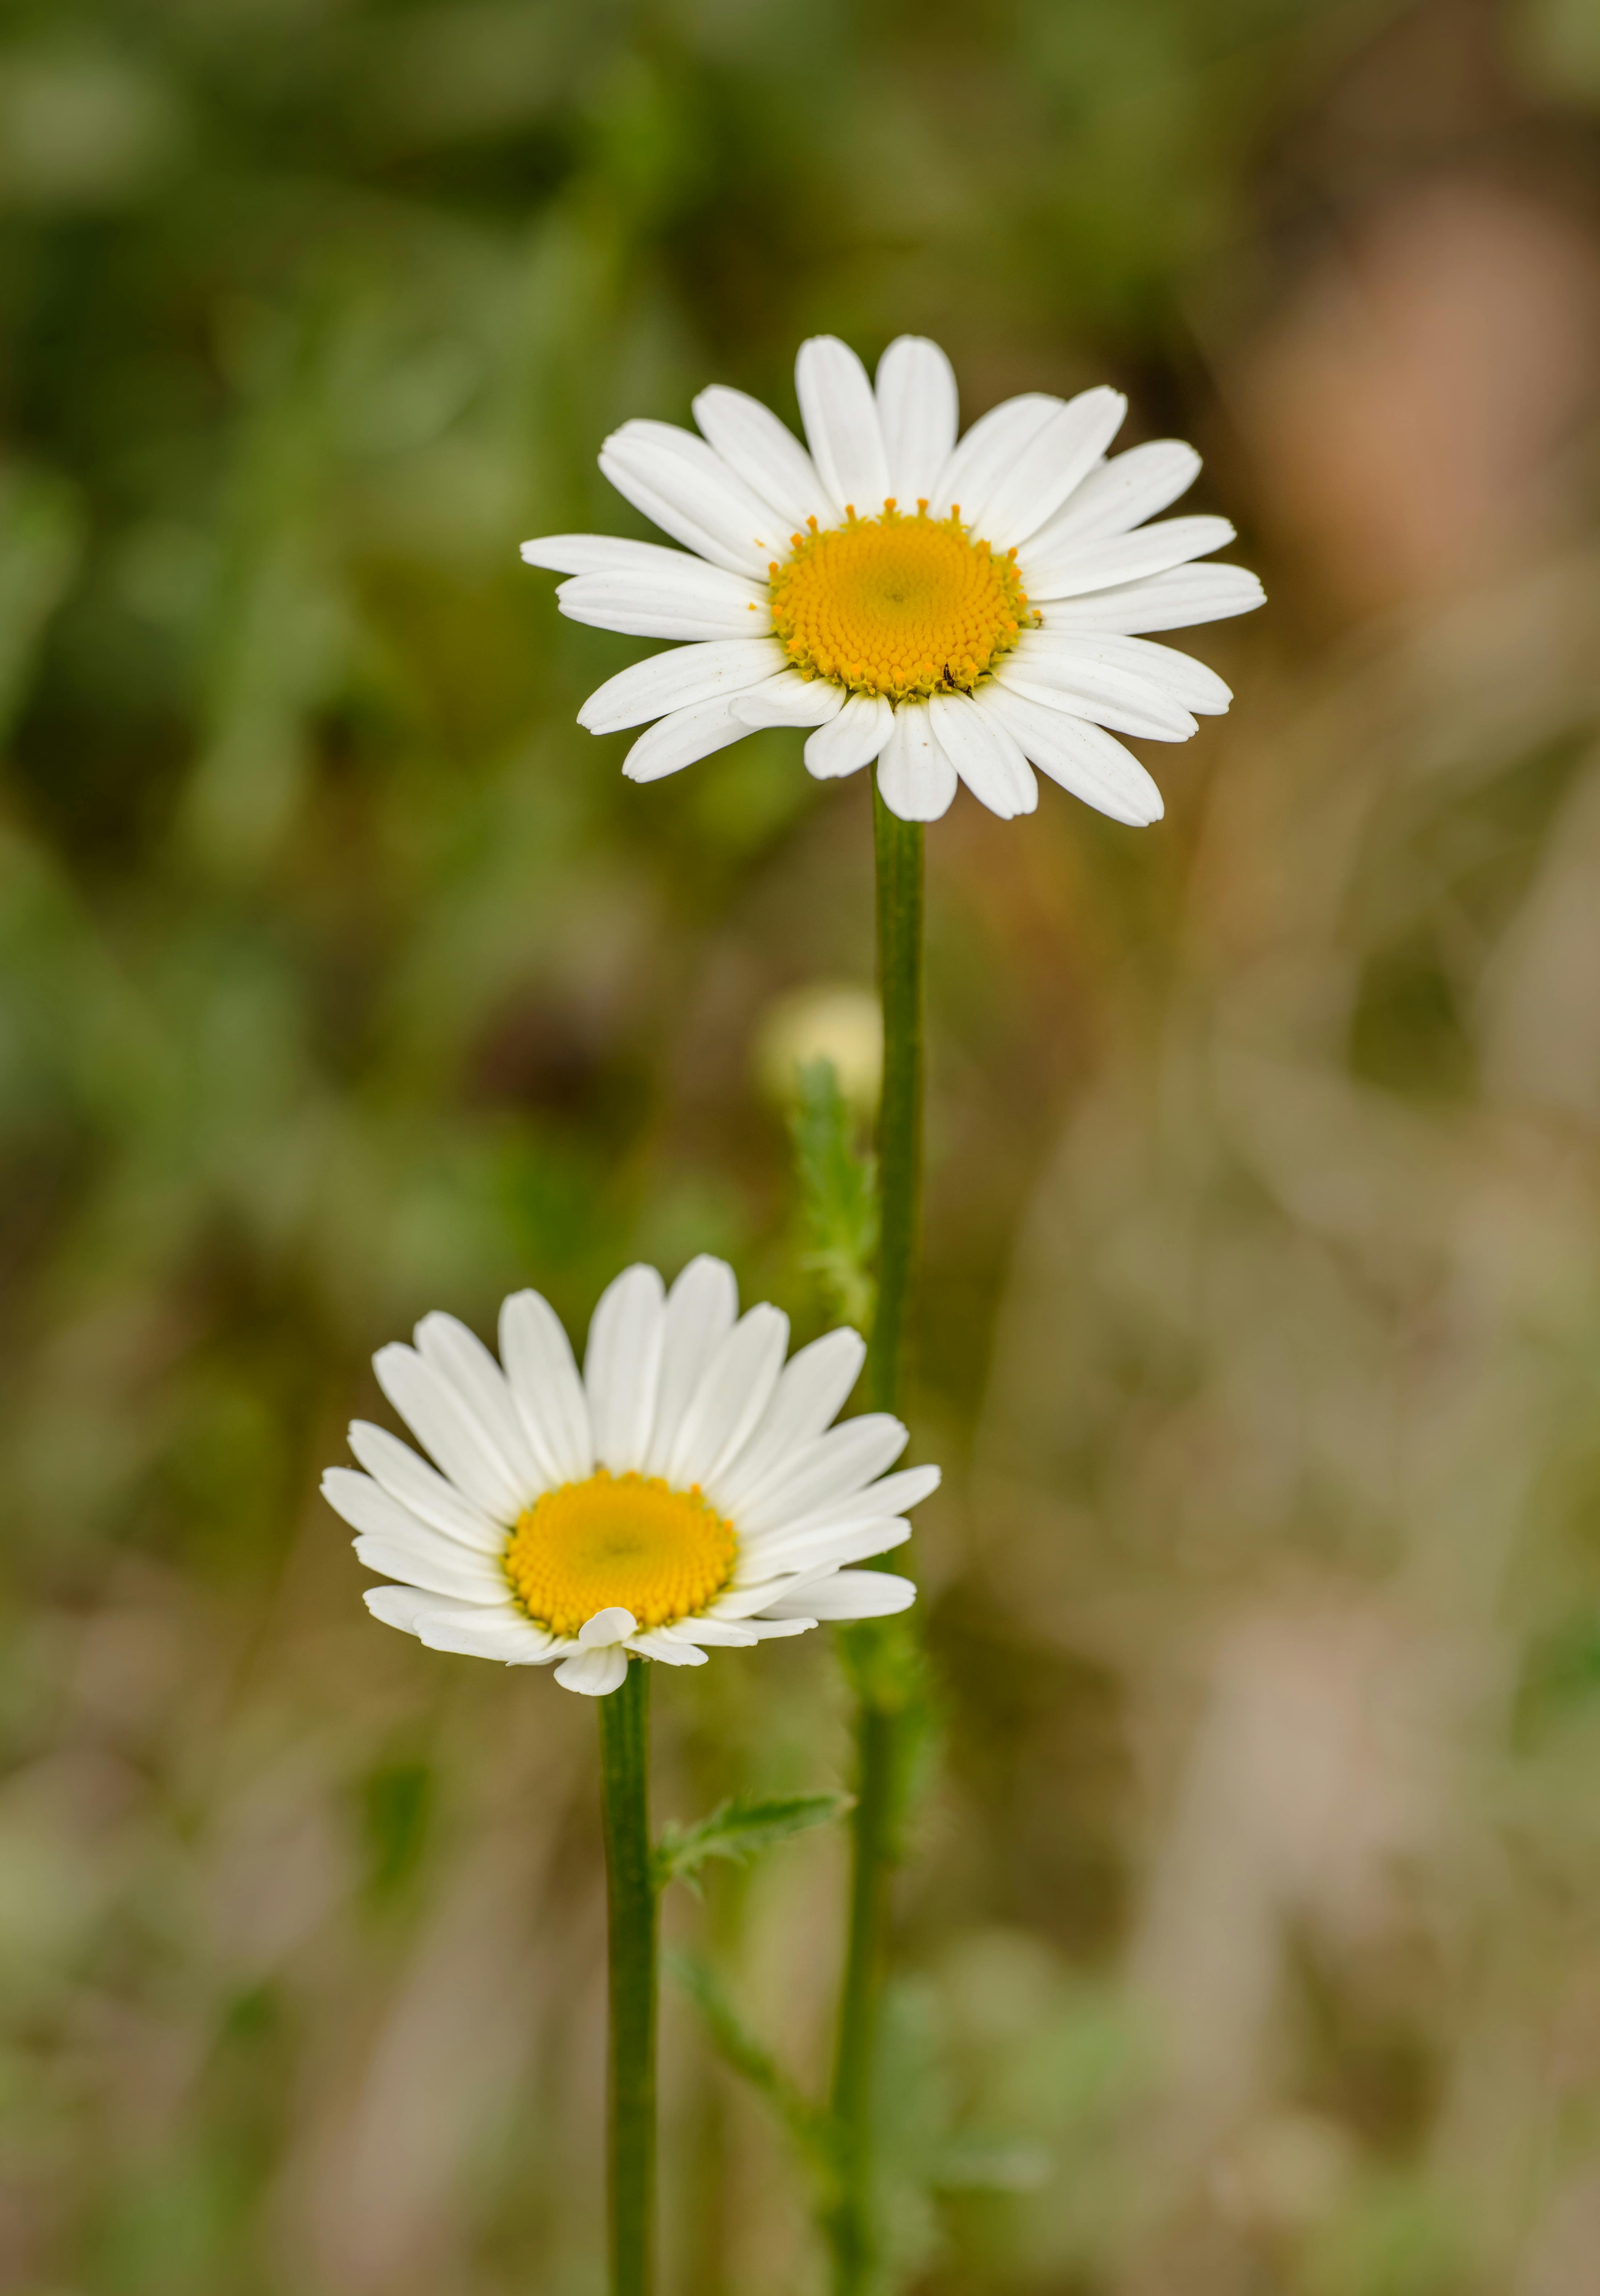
973 2161
41 532
838 1194
739 1831
809 2127
1561 1676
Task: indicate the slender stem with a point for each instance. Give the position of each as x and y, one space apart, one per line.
899 846
630 2152
850 2222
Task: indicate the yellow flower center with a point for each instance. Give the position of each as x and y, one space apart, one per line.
624 1541
897 606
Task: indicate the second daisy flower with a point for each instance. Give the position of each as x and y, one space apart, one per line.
689 1490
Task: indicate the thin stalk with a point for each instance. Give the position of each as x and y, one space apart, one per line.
899 848
631 1894
879 1717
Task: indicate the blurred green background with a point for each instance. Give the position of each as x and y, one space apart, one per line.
1252 1942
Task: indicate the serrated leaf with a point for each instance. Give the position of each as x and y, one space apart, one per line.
809 2127
975 2163
740 1830
838 1190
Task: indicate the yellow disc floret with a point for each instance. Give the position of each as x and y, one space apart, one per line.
900 607
626 1541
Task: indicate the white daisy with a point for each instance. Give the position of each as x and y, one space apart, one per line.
688 1491
955 609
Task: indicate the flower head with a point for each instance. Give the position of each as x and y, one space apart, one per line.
689 1490
958 609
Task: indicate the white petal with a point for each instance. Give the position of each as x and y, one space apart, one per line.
683 739
613 1625
988 452
716 666
808 1550
685 599
890 1495
463 1447
401 1606
461 1361
844 1459
700 1309
1060 453
505 1635
408 1607
849 1594
481 1629
765 454
687 489
667 1648
359 1501
1183 680
446 1570
733 1391
1121 495
621 1367
1176 601
915 779
813 1390
894 1493
751 1628
422 1490
1074 566
791 700
917 407
1082 757
593 1673
841 416
371 1510
738 1604
408 1550
772 1630
603 554
719 1634
544 1385
852 739
1101 691
984 754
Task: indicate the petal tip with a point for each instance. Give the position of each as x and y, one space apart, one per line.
606 1627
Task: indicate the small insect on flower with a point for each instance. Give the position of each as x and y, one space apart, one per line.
956 610
689 1490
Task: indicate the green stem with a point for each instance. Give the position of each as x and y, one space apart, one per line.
852 2230
898 847
630 2152
850 2223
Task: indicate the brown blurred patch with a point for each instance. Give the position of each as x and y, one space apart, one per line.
1415 411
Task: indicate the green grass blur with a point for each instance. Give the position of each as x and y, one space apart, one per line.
1251 1940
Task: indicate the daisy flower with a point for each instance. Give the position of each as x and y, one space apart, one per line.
688 1491
958 609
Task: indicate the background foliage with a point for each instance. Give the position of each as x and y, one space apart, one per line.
1250 1939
